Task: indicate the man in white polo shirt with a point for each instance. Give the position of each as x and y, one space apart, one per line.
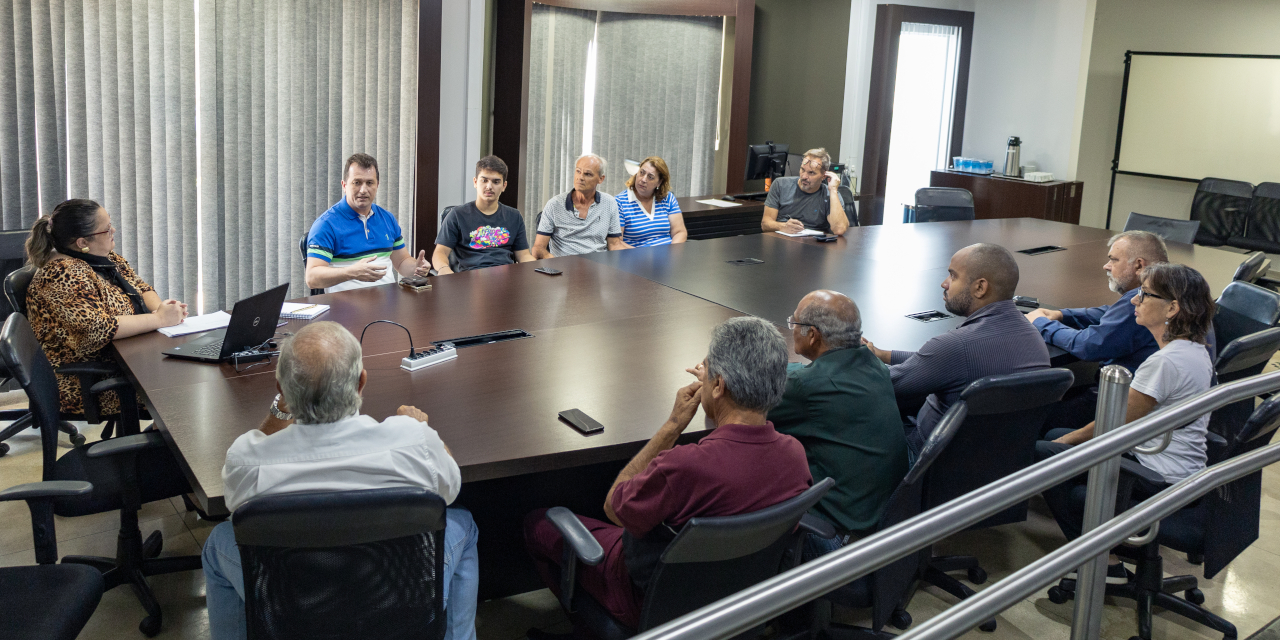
356 243
583 220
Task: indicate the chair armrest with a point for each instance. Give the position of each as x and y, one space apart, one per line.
126 444
817 526
1135 469
49 489
110 384
1216 446
89 368
576 536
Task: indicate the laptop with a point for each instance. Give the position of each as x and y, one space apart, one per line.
253 322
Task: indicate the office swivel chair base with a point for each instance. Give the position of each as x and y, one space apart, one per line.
22 420
134 561
1150 589
937 572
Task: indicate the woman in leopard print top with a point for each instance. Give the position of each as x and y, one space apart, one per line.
84 295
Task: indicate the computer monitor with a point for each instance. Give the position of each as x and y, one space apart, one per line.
766 160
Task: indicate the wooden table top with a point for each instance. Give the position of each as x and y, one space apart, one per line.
613 336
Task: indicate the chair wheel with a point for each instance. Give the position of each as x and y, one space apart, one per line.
153 545
150 626
1194 596
78 440
977 575
4 448
900 619
987 626
1058 595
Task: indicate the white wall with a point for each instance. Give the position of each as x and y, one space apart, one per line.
1024 78
1191 26
461 91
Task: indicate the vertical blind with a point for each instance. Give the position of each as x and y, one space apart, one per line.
656 92
122 100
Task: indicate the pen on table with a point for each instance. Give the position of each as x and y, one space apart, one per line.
310 306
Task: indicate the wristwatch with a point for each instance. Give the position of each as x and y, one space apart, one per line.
275 410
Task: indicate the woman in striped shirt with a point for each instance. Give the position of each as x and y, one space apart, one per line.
648 210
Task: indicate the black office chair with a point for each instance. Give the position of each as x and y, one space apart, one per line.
1262 230
709 559
453 255
1167 228
1251 268
886 590
48 601
849 203
125 472
1217 527
1243 309
302 249
942 204
95 379
1221 206
343 564
1004 416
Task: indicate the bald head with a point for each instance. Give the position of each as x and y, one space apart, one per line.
993 263
319 373
834 315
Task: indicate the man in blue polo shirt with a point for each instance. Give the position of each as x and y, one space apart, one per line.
356 243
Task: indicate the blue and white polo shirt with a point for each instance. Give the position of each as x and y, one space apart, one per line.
340 236
639 228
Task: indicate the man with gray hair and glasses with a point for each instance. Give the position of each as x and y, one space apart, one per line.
744 465
315 439
582 220
841 407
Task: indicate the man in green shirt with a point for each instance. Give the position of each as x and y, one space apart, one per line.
841 407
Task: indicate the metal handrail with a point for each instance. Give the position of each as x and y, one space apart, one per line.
976 609
752 606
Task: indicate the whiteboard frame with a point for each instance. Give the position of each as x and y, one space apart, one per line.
1124 94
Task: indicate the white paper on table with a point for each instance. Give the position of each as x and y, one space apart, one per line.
196 324
806 232
719 203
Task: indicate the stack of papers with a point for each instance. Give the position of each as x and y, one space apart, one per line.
719 203
806 232
302 310
196 324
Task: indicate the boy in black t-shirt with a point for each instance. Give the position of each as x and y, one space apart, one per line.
485 232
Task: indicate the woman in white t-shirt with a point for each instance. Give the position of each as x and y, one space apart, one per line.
1175 305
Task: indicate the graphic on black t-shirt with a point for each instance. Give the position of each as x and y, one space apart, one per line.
486 237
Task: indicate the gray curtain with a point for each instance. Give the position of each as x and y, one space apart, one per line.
657 85
294 88
557 73
97 100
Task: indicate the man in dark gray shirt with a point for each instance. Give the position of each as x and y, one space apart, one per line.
994 339
798 203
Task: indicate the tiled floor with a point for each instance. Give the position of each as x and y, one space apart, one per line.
1246 593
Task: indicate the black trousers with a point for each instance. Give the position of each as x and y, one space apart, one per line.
1067 500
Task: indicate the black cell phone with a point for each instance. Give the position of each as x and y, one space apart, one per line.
581 421
1026 301
830 237
549 271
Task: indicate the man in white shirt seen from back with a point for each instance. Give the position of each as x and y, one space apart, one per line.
315 439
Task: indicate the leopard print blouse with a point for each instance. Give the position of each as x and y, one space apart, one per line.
73 313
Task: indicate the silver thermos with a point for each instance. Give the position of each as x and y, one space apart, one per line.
1012 158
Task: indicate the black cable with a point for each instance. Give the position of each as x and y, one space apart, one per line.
406 330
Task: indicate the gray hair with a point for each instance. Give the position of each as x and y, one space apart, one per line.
840 328
1142 244
751 356
820 154
601 164
319 373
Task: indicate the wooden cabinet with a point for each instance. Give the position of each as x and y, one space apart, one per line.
1000 197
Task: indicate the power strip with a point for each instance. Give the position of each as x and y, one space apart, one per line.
428 357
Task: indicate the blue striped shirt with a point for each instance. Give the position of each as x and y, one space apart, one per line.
640 230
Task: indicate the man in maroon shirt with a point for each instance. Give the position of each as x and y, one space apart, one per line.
744 465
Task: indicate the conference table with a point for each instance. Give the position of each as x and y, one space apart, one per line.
611 336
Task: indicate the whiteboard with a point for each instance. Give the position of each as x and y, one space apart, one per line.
1198 117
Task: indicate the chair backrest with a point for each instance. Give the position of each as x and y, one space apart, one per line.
302 249
453 255
1167 228
16 284
998 437
1247 355
1251 268
714 557
1244 309
942 204
26 362
1221 206
13 254
343 564
1264 214
850 204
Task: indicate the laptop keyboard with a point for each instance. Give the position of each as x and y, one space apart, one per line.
209 350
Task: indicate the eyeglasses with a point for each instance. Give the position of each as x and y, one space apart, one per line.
110 229
792 324
1143 294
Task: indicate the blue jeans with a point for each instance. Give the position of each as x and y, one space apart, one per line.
224 581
